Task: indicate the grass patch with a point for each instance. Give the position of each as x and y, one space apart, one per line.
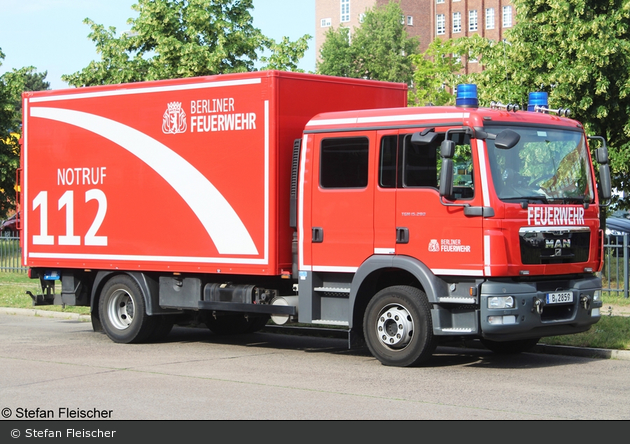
13 288
611 332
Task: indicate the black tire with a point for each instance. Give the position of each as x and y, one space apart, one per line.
397 327
123 313
226 325
510 347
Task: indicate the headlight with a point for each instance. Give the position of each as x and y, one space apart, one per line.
597 296
498 302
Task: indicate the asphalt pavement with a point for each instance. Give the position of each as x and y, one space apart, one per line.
595 353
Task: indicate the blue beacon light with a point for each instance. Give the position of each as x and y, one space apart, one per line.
467 96
537 99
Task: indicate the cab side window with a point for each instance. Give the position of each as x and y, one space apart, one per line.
344 162
420 164
388 160
406 165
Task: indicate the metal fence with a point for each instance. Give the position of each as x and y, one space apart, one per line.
614 274
11 253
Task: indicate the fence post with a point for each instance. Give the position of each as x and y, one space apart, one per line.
625 265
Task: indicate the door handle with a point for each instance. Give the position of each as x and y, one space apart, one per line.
318 235
402 235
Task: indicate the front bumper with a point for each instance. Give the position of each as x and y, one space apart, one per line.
532 316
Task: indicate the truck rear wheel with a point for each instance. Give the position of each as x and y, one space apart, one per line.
123 313
398 328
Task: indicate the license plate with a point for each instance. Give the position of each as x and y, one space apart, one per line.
565 297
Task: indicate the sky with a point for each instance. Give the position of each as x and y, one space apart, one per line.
51 36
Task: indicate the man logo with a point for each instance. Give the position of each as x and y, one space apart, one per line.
174 120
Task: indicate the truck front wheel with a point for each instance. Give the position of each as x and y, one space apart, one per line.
123 313
397 327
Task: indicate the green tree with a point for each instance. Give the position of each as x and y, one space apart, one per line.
335 54
183 38
21 80
8 143
12 84
380 48
285 55
578 51
435 75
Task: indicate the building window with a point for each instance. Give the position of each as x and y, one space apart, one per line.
472 20
361 18
439 1
409 20
440 24
345 11
326 23
457 22
507 16
490 18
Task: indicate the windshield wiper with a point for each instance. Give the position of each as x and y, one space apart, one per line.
529 199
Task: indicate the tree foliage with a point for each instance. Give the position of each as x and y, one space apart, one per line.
285 55
379 49
184 38
12 84
435 75
578 51
335 54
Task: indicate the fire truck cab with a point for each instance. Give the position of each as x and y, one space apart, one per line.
423 223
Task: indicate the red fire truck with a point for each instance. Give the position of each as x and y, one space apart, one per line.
309 199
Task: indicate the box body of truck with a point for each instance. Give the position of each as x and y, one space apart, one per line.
187 175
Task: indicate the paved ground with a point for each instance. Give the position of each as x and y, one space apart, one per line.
55 364
540 348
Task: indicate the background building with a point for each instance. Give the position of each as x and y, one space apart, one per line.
427 19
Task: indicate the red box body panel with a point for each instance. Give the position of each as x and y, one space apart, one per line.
188 175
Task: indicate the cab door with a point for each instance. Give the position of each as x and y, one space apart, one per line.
342 211
433 229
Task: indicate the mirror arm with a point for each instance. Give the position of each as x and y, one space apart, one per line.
471 211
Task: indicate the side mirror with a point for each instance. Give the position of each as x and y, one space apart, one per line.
602 155
447 149
446 178
604 181
507 139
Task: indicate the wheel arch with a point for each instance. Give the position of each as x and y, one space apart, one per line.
379 272
149 286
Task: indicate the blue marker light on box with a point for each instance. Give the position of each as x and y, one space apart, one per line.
52 275
467 96
537 99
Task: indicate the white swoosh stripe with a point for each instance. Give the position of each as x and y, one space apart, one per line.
223 225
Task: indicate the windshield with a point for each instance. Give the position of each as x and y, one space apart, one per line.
547 165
